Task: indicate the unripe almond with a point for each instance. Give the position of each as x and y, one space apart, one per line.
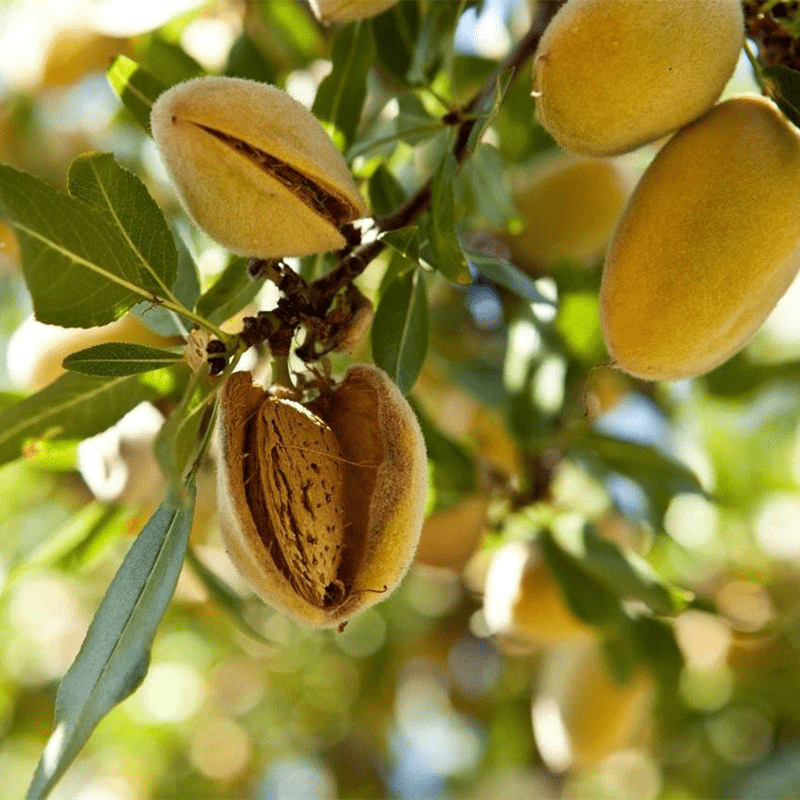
349 10
581 714
36 351
611 75
254 168
450 537
321 505
708 243
524 604
569 207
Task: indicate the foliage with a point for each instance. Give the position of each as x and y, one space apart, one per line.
666 514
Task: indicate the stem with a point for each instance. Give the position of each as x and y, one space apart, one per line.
201 322
757 74
280 372
324 289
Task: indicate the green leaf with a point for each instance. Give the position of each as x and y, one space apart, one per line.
512 278
400 329
395 33
168 61
341 94
626 574
136 87
405 243
97 179
585 595
482 180
230 293
413 125
434 41
186 289
115 654
79 267
73 407
787 83
448 257
119 358
488 110
245 60
290 36
385 191
660 476
182 438
65 540
451 468
225 597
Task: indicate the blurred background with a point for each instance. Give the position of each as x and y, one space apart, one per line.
481 677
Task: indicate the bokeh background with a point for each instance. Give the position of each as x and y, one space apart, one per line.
453 687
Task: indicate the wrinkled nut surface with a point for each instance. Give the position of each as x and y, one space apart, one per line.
616 74
321 505
707 244
349 10
254 168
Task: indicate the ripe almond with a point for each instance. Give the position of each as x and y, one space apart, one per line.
254 168
321 505
612 75
707 244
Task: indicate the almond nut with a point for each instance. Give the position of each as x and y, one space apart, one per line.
321 505
254 168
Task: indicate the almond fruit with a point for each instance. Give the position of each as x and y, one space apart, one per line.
321 504
611 75
254 168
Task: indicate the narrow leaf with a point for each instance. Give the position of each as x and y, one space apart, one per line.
405 242
167 60
119 358
512 278
385 191
182 437
64 540
75 406
79 267
786 82
586 596
225 597
400 330
626 574
659 475
452 470
395 33
113 659
136 87
448 257
186 289
340 96
97 179
230 293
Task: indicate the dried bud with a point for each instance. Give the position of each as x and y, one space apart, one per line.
321 505
254 168
349 10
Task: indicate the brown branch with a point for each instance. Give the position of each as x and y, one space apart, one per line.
324 289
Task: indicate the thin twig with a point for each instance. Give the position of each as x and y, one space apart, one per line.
324 289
